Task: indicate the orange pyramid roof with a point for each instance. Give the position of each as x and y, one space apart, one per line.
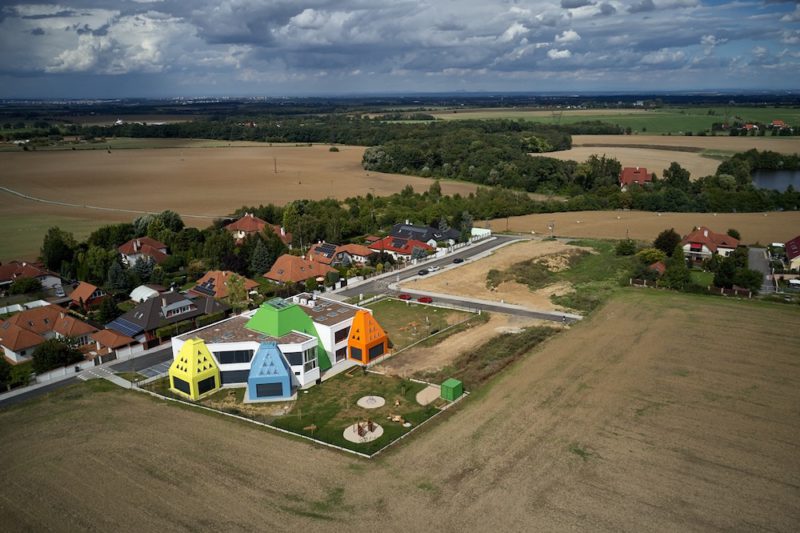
365 330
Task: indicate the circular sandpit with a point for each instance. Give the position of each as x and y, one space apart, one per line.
371 402
351 432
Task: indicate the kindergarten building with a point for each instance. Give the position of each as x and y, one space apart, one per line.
272 351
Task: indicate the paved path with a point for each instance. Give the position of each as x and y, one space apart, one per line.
104 373
757 260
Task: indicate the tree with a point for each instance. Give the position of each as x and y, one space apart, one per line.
117 277
435 190
237 292
648 256
5 373
142 270
667 240
141 223
58 247
724 275
55 353
625 247
97 262
311 284
677 177
676 276
218 246
170 220
107 311
466 226
748 279
735 234
25 286
259 259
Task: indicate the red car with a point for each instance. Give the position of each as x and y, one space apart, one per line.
405 296
425 299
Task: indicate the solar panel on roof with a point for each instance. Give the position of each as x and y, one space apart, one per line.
125 327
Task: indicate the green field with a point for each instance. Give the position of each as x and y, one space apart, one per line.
18 230
673 120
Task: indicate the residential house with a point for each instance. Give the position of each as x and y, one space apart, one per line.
23 269
399 248
658 267
634 176
215 284
792 248
86 295
250 224
702 243
427 234
22 333
294 269
141 322
136 249
272 351
346 254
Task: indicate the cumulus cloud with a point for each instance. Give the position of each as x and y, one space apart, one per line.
568 36
554 53
794 16
383 44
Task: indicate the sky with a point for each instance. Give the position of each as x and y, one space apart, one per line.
168 48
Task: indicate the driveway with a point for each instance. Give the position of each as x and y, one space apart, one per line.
757 260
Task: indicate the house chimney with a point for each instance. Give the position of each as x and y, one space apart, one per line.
283 231
705 233
61 315
163 302
407 222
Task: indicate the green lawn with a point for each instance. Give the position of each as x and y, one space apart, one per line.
666 120
406 323
326 410
22 235
704 279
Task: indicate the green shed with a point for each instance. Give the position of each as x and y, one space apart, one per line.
452 389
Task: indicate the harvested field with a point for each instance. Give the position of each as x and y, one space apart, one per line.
652 159
623 423
645 226
657 152
208 182
469 280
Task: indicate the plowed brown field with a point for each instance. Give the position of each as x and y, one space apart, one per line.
661 412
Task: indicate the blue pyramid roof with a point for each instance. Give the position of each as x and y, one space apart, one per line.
268 362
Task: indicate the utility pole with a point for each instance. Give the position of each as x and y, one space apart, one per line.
275 164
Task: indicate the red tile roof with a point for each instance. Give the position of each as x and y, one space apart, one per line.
294 269
111 339
659 267
22 269
631 175
355 249
27 328
398 245
251 224
145 246
215 283
17 338
711 240
793 248
778 123
83 293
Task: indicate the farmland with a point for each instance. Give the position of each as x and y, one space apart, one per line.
673 120
603 427
645 226
199 183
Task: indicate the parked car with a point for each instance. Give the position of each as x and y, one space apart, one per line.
59 290
405 296
422 272
458 260
425 299
434 268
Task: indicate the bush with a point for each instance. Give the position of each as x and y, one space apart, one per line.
174 329
333 149
625 247
25 286
55 353
210 319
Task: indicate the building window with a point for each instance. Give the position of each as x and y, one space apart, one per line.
206 385
376 351
341 354
234 356
264 390
294 358
179 384
341 335
309 360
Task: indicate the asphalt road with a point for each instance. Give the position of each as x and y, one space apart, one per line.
379 286
129 365
757 260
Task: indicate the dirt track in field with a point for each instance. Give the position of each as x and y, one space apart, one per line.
721 143
645 226
662 412
469 280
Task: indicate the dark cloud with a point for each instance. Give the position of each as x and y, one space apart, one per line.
37 31
607 9
572 4
642 6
